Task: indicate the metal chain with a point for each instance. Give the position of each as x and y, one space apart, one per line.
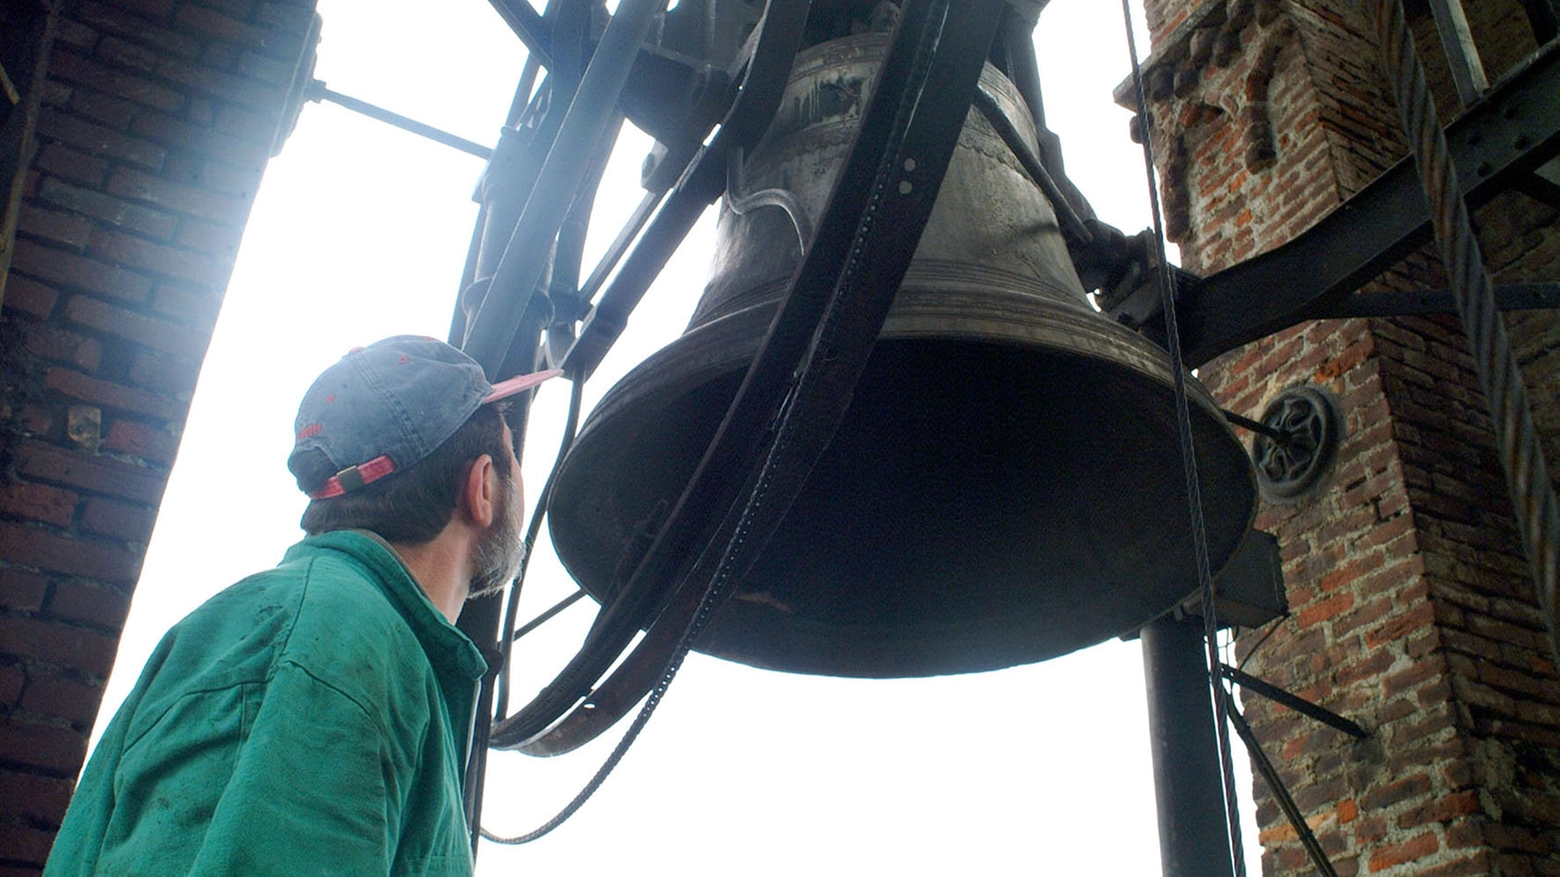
1220 696
1516 438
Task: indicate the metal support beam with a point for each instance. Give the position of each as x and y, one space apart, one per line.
318 92
1451 23
1298 704
1516 297
1193 837
1496 143
529 26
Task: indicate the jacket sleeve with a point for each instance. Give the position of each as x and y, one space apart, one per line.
314 789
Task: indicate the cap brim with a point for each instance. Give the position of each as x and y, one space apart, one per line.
510 386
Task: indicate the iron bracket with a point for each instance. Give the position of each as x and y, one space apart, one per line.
1496 144
1298 704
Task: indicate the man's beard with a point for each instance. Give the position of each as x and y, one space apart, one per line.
501 550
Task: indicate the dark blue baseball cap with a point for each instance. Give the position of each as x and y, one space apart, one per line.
384 407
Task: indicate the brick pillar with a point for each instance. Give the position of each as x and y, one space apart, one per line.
1411 610
157 119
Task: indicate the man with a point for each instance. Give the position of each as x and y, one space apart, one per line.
313 719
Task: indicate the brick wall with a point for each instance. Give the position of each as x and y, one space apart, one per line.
1411 608
157 121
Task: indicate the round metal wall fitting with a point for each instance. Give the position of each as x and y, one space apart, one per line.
1289 469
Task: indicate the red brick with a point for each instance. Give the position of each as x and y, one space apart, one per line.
71 67
62 698
206 204
99 607
67 270
60 644
51 551
11 682
247 125
140 219
33 797
224 86
164 374
293 18
60 345
196 305
223 27
135 20
240 9
129 55
89 472
21 591
108 517
133 326
141 440
107 394
54 226
1325 609
219 240
28 296
1411 850
1442 809
99 140
38 502
159 259
270 70
24 843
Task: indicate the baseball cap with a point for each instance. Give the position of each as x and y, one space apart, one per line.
384 407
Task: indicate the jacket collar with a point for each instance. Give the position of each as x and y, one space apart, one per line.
448 648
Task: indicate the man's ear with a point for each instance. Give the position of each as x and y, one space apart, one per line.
479 498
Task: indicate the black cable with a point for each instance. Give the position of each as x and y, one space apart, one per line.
1272 628
512 605
1189 463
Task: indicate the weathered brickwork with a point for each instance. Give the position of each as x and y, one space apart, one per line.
158 117
1411 610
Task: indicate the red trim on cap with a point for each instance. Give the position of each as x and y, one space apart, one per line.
510 386
366 473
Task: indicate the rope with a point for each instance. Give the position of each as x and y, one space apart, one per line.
1516 439
1183 420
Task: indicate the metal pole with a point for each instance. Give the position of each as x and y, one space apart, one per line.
1193 835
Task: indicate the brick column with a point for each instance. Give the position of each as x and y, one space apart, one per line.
1411 610
158 117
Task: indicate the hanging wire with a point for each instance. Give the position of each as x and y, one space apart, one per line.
1189 462
512 606
1516 438
1272 628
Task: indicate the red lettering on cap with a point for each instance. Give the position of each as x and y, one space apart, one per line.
309 431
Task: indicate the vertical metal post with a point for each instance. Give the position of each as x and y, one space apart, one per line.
1193 834
1461 54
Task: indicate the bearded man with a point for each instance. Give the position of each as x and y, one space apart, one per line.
314 718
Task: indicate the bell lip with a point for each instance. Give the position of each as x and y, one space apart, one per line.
709 352
918 313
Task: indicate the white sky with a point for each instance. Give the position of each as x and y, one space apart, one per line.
360 231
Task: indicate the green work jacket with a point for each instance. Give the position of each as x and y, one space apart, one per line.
311 719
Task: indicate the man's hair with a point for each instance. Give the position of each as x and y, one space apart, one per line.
413 505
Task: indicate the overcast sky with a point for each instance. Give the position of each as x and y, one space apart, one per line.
360 231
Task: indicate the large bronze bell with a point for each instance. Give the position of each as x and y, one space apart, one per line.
1007 485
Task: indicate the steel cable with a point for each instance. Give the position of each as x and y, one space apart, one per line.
1516 438
1221 708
